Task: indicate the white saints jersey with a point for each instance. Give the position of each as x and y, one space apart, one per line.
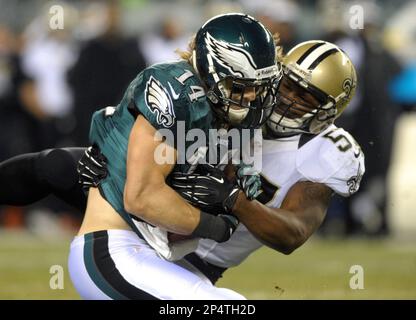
333 158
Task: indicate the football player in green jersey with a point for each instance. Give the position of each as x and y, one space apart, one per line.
227 79
210 259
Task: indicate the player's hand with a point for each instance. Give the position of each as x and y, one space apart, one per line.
92 168
209 191
249 181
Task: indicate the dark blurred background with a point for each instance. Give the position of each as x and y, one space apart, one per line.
53 79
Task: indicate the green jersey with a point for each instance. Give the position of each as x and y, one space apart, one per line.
171 97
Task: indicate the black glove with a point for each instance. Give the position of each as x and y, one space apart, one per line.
210 191
92 168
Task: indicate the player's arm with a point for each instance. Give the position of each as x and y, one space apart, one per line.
283 229
288 227
30 177
146 194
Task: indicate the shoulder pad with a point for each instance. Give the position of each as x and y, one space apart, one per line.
160 93
333 158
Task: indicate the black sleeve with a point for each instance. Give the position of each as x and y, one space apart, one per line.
30 177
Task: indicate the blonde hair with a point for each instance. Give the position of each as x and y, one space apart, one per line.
279 48
187 54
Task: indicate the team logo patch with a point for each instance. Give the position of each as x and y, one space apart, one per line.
159 101
353 183
347 86
231 56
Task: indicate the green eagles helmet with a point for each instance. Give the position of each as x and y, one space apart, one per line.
235 56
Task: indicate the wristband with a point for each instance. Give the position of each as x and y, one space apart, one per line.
211 227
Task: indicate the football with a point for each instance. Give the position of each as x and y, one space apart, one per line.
174 237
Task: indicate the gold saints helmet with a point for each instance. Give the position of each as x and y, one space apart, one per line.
318 83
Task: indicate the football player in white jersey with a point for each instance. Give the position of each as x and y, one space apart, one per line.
305 157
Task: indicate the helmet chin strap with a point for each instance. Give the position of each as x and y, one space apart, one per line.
280 132
318 126
236 116
315 124
282 124
293 126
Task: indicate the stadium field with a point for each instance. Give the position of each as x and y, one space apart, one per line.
318 270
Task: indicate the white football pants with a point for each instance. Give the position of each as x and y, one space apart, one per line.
117 264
